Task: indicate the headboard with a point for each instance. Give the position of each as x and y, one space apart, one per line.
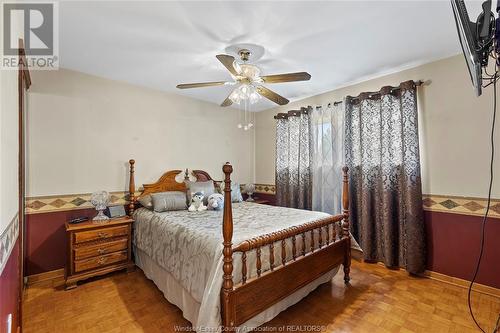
166 183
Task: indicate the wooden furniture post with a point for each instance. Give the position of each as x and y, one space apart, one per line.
131 189
345 225
227 232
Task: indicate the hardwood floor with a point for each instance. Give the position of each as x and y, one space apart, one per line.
378 300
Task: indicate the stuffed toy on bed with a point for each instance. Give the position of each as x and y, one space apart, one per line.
197 202
215 201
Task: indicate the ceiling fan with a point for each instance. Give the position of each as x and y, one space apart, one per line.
249 81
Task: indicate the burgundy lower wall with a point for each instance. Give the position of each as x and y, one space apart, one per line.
9 290
453 246
453 243
46 244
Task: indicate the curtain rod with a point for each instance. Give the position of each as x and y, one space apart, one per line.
370 94
296 113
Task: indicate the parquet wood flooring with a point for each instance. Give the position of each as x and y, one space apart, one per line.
378 300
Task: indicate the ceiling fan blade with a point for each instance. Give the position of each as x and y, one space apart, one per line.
289 77
272 96
200 85
228 62
228 101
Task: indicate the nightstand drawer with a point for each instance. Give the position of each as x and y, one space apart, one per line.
88 236
100 249
101 261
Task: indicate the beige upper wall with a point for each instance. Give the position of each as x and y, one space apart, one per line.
9 144
9 148
454 128
82 130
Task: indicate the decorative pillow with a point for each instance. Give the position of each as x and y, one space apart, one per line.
146 201
167 201
219 188
207 188
236 193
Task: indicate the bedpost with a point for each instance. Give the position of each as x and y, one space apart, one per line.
131 189
345 225
227 233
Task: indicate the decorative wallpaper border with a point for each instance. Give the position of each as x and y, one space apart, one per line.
56 203
265 188
7 241
430 202
460 205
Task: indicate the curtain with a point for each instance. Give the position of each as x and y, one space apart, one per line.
382 153
293 168
327 144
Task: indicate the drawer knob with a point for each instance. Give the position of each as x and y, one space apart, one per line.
103 234
101 261
101 251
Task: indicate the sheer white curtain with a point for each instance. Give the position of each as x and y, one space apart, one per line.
327 135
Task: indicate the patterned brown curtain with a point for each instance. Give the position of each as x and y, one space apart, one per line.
293 157
382 152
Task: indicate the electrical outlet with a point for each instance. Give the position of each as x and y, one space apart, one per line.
9 323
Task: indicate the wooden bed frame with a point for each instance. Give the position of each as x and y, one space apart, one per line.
250 297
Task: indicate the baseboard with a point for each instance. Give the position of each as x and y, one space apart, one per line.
480 288
55 277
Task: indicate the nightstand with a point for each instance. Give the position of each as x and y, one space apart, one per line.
96 249
261 201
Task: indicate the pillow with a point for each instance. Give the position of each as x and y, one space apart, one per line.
167 201
146 201
220 187
236 193
207 188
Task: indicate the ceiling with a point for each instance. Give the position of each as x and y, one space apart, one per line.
161 44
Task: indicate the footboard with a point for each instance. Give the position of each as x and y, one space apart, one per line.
316 248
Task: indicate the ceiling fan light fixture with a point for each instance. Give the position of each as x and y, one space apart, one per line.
251 72
237 67
254 97
245 92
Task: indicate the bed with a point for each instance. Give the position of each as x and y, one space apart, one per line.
235 269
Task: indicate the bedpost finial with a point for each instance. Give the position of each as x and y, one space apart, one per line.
227 168
132 162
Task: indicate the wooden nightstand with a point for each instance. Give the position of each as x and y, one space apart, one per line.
262 201
96 249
